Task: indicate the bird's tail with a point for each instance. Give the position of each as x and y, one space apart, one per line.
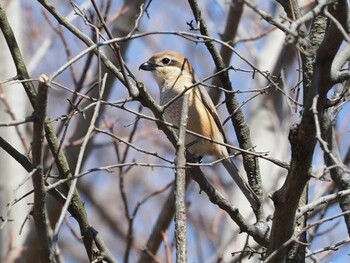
242 184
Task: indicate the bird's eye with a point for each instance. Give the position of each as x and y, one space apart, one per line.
166 61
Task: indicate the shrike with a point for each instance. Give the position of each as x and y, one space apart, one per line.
174 74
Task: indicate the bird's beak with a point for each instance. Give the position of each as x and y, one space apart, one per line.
147 66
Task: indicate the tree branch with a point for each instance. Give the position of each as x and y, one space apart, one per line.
180 189
341 58
323 44
76 207
39 209
332 158
251 163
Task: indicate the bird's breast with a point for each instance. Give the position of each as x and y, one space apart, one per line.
200 121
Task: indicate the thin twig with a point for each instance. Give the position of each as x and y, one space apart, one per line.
307 227
16 122
320 139
323 200
78 165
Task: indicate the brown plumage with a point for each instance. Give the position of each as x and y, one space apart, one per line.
173 74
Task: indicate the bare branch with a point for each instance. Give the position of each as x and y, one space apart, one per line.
338 74
180 187
250 162
39 209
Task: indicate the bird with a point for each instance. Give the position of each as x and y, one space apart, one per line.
175 76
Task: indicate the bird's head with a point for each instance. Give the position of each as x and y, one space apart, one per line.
168 67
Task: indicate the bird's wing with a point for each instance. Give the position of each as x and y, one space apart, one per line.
202 93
